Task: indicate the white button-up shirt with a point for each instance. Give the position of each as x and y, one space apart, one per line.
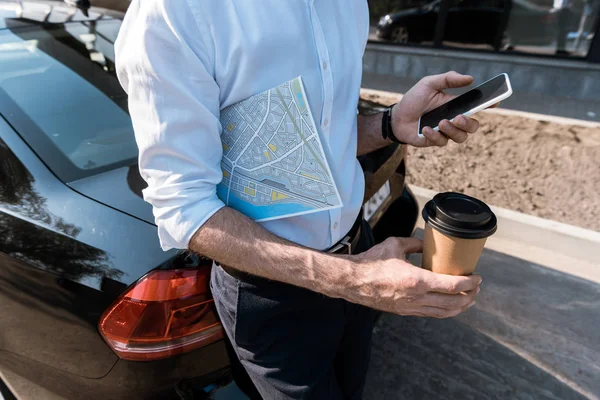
182 61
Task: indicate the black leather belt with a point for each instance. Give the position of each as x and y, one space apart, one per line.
346 245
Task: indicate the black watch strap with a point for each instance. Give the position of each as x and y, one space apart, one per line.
386 126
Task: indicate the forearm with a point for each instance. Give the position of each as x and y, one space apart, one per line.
233 239
369 134
379 278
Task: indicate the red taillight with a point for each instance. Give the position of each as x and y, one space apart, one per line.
165 313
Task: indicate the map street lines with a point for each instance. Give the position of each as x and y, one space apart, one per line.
273 162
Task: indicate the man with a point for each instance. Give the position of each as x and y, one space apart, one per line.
299 317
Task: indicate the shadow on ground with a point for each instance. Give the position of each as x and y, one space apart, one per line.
534 334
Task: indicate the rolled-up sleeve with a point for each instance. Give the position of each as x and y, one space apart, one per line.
165 66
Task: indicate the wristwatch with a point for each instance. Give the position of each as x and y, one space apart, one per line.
386 126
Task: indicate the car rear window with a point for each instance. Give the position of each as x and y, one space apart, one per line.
58 89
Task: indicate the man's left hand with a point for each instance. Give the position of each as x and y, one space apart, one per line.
426 95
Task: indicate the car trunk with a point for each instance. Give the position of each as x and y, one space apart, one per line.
125 192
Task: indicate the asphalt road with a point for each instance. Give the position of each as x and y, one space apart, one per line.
533 334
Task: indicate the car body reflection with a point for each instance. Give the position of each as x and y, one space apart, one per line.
41 263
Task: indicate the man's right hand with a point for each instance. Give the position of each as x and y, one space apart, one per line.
386 281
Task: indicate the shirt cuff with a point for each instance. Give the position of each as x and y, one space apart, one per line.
176 230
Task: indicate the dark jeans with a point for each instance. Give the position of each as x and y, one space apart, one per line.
295 343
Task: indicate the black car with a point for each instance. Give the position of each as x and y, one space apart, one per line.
498 23
90 306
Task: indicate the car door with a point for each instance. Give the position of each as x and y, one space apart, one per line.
530 24
490 16
473 21
456 28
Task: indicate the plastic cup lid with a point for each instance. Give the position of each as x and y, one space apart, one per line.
459 215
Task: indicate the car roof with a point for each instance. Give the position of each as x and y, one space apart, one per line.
17 13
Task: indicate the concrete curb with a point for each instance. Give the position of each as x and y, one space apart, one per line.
482 56
500 111
566 248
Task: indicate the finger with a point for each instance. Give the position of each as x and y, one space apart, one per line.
411 245
494 106
448 301
434 138
435 312
452 132
450 284
447 80
467 124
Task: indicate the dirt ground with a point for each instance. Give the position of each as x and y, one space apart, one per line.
537 167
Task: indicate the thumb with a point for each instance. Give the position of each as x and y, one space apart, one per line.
411 245
448 80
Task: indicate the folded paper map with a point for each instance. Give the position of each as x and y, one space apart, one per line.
273 162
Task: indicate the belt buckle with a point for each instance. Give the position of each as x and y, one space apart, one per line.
340 245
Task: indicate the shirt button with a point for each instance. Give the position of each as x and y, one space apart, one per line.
326 122
335 225
325 65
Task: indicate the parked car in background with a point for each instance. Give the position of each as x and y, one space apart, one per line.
90 306
473 22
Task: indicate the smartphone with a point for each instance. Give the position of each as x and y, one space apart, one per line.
479 98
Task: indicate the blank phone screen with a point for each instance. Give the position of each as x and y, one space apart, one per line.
466 102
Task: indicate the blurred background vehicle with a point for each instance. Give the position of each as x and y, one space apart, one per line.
91 307
474 22
550 27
